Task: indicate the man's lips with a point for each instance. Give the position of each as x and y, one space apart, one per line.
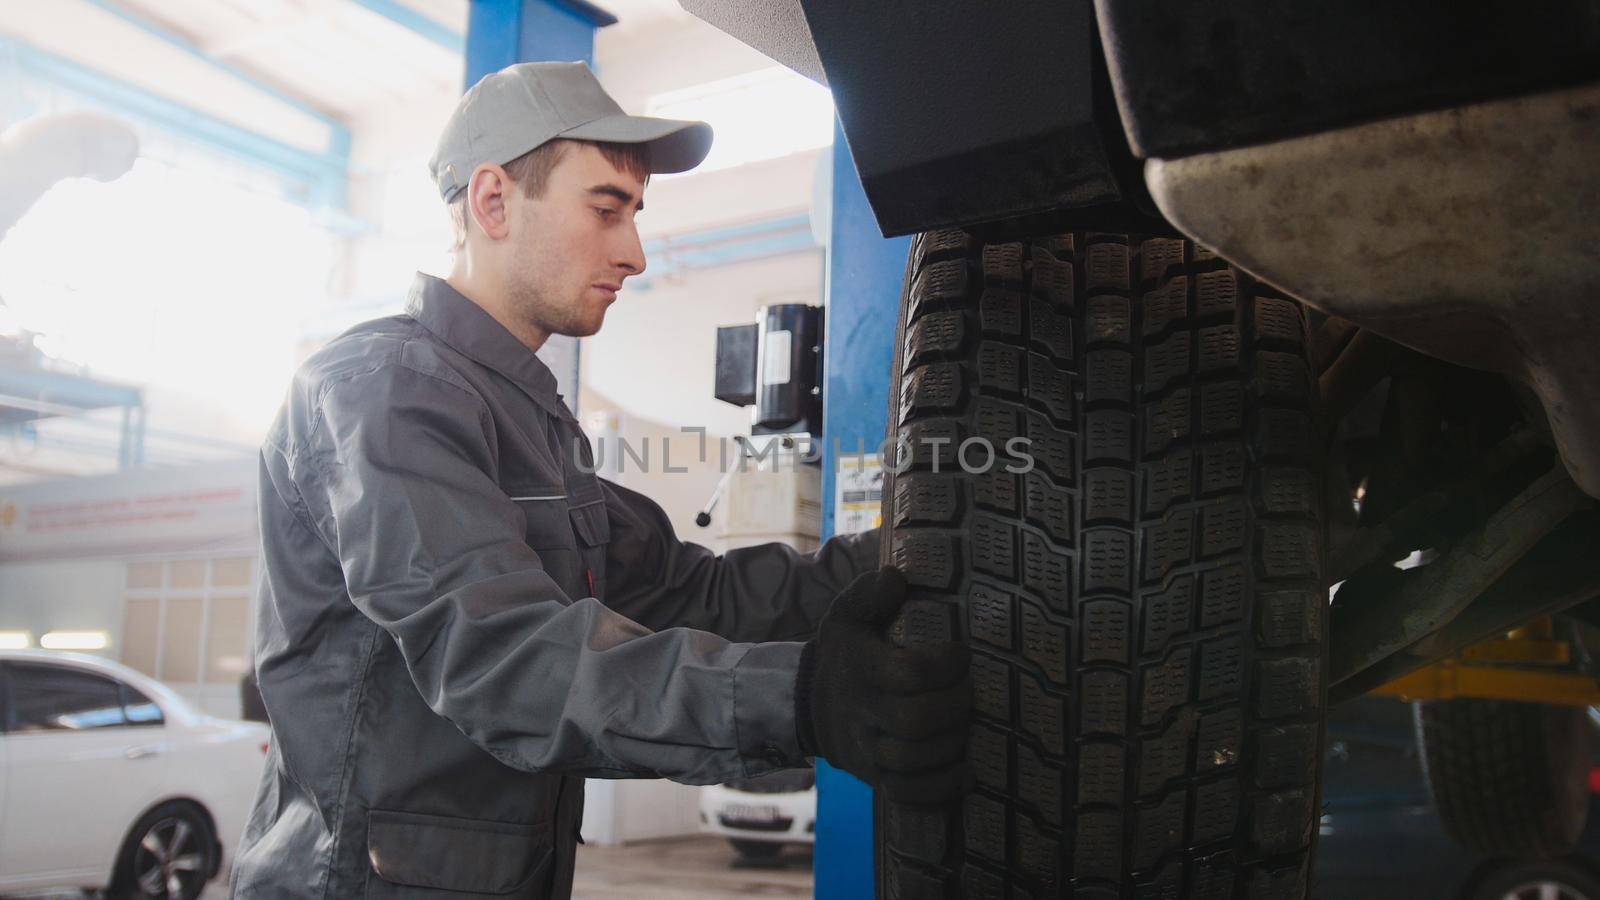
609 288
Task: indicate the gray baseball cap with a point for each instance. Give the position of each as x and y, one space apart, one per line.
525 105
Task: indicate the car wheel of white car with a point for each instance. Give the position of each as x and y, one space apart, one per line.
170 854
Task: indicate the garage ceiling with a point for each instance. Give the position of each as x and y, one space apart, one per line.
338 60
342 57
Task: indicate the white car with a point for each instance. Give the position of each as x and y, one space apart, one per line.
109 780
759 815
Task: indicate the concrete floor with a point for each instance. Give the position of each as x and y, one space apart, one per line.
694 868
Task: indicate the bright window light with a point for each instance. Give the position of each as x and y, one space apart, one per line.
15 640
759 115
180 279
74 640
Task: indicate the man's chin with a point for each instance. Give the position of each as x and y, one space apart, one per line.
580 329
595 319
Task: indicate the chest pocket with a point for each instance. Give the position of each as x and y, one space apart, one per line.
548 524
592 528
590 524
570 537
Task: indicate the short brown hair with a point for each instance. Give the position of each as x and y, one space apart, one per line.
532 171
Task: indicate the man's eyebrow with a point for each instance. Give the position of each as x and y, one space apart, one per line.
622 195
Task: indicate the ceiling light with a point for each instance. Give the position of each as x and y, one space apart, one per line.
74 640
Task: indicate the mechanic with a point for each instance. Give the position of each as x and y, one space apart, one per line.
458 623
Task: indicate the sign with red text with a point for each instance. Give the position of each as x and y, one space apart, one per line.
208 506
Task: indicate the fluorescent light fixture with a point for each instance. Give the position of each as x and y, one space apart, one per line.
74 640
15 640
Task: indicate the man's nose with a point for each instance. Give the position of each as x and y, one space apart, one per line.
630 255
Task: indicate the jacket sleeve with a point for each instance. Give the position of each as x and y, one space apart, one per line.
769 592
400 475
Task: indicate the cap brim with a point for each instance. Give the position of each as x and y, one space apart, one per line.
675 145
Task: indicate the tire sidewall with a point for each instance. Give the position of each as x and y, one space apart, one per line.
1568 739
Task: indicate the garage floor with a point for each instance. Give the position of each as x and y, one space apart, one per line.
698 868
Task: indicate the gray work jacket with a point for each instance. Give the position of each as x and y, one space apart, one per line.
457 623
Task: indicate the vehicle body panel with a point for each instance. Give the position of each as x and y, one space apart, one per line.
952 115
1199 77
54 778
1468 235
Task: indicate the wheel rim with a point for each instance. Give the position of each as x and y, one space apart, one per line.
1544 889
169 859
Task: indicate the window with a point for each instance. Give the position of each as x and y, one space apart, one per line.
141 633
187 621
56 698
139 709
180 639
227 653
149 310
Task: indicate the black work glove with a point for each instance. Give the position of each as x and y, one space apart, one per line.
895 717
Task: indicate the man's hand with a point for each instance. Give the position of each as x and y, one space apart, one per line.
895 717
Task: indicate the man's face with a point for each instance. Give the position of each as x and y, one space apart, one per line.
571 248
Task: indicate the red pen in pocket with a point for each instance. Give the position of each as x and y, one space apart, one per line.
589 574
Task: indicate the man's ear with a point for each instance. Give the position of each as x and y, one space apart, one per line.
486 200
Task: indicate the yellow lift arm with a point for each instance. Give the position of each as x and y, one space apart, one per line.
1528 665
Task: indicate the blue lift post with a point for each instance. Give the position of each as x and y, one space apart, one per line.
865 272
503 32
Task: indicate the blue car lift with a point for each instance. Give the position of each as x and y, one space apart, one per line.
503 32
865 272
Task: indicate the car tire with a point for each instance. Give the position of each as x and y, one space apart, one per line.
1146 606
1535 880
1508 779
169 854
756 851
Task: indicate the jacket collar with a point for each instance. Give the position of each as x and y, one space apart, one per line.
467 328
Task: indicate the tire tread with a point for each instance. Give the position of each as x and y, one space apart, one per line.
1145 605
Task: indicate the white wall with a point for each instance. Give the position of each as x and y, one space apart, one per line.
652 366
